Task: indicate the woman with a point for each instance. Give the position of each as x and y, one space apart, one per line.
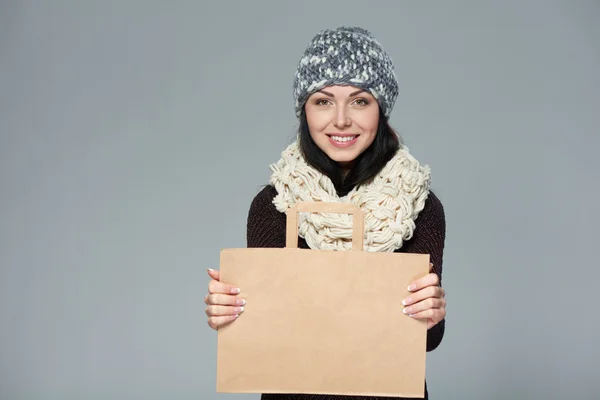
344 91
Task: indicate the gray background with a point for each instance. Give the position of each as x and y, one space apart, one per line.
134 135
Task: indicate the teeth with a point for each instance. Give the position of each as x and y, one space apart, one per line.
343 139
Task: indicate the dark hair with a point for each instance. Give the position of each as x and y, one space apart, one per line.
364 168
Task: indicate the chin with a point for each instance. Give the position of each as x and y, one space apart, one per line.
343 156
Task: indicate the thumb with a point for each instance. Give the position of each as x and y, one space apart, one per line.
213 274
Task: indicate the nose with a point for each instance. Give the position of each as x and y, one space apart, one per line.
341 118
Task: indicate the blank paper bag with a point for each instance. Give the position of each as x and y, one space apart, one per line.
320 321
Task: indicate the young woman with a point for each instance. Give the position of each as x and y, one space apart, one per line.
344 90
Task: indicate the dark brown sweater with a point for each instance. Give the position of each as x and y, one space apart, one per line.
266 228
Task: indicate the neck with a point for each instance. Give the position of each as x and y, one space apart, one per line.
345 167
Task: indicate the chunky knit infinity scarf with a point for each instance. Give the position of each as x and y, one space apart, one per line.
391 202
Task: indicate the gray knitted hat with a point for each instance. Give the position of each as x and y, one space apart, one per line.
346 56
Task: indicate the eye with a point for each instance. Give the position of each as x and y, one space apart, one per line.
361 102
322 102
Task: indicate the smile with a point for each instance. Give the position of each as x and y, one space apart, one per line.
343 138
342 141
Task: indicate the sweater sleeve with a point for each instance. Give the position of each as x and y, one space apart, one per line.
428 238
266 225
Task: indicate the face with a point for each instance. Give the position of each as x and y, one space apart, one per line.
343 122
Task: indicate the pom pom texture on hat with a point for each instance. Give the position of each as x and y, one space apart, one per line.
346 56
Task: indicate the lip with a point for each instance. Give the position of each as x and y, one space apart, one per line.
342 145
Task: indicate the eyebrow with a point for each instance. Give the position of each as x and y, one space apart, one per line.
351 94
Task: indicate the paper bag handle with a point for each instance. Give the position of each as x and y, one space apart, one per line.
291 240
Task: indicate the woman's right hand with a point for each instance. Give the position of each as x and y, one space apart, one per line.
223 305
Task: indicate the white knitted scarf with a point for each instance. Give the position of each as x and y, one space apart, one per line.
391 202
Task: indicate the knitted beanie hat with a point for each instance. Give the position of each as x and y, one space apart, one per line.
346 56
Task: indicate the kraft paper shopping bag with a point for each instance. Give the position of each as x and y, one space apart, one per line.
319 321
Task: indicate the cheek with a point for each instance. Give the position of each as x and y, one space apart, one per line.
316 122
370 122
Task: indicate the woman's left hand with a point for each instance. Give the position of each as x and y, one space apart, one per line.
427 300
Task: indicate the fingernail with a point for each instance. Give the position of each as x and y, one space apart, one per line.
407 310
210 269
406 301
235 291
412 287
239 309
240 302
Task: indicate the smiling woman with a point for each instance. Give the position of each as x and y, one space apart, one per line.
344 134
341 124
346 151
